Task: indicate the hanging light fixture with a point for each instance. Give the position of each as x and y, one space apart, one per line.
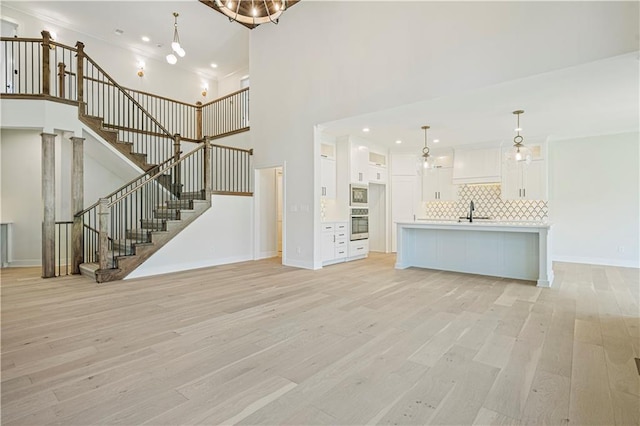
518 151
426 157
175 44
251 13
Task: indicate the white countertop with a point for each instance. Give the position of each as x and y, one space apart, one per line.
479 223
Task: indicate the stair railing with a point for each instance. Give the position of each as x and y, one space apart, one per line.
101 96
231 170
42 67
227 115
129 219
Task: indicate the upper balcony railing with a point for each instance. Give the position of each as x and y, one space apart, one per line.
42 67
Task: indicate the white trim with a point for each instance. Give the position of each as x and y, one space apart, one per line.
299 263
266 254
628 263
188 266
24 263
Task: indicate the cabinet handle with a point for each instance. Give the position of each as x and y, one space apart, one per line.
524 192
360 177
378 176
360 248
520 192
334 238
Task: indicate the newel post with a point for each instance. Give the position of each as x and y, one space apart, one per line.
77 200
206 169
46 70
80 70
103 228
198 120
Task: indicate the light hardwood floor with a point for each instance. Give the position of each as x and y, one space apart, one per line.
356 343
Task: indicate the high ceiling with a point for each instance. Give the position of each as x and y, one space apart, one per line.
596 98
207 36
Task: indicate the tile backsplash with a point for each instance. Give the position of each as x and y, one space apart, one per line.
487 202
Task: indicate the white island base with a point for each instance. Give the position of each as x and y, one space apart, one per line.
508 250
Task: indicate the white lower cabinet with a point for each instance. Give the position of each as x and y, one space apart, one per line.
334 242
358 249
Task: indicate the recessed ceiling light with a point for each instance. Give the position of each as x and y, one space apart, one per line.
146 39
398 142
366 129
214 65
118 31
436 140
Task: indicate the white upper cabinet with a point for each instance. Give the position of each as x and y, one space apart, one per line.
359 163
477 165
437 185
522 181
378 168
328 177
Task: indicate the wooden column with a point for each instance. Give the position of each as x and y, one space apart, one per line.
49 205
198 120
46 70
77 200
103 228
80 73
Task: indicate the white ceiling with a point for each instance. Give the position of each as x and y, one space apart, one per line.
206 35
596 98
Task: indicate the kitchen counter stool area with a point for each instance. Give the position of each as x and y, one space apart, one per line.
509 250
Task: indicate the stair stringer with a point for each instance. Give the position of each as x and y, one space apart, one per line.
99 138
127 264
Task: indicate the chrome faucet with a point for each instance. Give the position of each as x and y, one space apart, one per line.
472 207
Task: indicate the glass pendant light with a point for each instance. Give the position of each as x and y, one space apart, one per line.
426 157
518 152
175 44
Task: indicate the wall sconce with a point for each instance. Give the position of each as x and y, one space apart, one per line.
204 91
141 69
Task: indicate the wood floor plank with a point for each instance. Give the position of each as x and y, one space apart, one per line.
590 402
258 343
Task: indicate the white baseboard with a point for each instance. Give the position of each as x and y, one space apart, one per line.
187 266
299 263
598 261
24 263
266 255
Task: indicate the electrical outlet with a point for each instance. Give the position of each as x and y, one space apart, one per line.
299 250
621 249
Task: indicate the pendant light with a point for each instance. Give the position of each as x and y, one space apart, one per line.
251 13
426 157
518 151
175 44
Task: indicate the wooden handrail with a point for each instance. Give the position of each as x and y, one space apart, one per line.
28 40
152 178
127 95
225 97
233 148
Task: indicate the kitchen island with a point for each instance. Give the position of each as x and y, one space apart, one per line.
517 250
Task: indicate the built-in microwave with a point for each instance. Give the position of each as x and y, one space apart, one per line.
359 196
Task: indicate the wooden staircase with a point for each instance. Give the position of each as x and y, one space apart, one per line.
152 234
112 137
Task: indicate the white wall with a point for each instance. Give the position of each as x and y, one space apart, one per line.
231 83
328 60
185 86
21 202
223 234
594 199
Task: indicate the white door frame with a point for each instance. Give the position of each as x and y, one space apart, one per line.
257 231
